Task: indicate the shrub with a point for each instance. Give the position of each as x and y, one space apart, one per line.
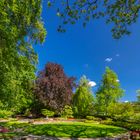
127 125
121 111
5 114
91 121
47 113
93 118
136 118
67 112
90 118
107 121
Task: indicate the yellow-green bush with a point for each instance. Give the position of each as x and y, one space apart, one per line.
93 118
5 114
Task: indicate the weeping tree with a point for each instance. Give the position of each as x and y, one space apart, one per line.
83 101
54 88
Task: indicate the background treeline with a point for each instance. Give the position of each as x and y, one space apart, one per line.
54 94
58 93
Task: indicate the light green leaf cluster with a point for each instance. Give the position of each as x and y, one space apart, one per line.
47 113
121 111
67 112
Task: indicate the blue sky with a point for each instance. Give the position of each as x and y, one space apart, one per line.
82 51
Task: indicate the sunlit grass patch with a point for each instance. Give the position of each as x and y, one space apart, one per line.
62 129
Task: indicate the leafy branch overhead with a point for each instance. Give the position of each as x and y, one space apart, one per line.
121 13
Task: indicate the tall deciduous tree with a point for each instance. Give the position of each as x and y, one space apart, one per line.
20 26
54 88
109 92
83 100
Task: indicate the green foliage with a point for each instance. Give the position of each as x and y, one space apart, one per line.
67 112
107 121
136 107
135 118
5 113
83 100
93 119
16 85
121 111
127 125
120 13
108 93
47 113
20 26
15 27
90 118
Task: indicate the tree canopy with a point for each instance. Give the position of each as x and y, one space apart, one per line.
108 92
83 99
54 87
20 27
120 13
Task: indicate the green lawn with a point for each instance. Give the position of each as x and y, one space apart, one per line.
75 129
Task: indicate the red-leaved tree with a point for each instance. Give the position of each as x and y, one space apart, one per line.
53 88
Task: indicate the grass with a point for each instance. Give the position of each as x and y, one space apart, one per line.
67 129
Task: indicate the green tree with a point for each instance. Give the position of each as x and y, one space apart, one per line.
20 26
108 92
16 85
83 99
121 111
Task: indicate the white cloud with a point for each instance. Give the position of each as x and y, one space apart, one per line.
126 101
92 84
117 55
108 59
117 80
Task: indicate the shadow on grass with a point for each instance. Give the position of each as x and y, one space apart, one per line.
66 130
74 131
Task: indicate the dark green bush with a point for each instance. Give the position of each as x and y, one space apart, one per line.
136 118
127 125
